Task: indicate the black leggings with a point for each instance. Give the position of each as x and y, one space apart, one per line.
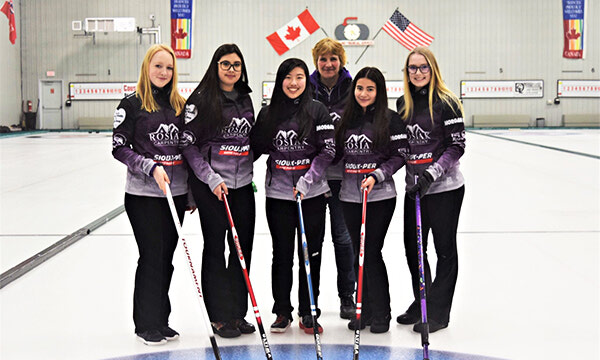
376 286
282 217
156 239
439 212
225 292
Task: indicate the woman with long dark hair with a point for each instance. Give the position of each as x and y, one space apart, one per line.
436 139
371 141
218 118
297 134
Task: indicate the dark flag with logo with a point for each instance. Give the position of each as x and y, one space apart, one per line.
9 11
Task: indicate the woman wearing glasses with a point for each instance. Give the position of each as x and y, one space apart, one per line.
436 139
218 118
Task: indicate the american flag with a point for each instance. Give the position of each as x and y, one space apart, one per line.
405 32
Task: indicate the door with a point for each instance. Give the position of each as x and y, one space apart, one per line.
51 110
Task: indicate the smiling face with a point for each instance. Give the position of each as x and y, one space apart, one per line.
228 77
365 92
294 83
418 79
329 67
160 69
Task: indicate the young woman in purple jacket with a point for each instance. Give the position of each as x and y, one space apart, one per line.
146 138
371 142
297 134
436 137
218 118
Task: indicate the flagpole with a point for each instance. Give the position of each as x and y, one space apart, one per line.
361 55
320 27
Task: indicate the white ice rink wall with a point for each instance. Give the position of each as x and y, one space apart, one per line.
474 40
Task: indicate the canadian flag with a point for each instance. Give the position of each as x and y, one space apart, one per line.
293 33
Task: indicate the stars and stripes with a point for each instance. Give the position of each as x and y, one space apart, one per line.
405 32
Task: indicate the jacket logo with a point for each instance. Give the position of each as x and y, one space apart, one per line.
288 141
237 128
165 135
190 112
453 121
416 135
118 140
335 117
119 117
187 138
357 144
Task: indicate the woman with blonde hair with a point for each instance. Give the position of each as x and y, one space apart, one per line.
331 84
436 139
146 139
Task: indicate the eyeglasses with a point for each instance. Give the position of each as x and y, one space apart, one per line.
423 68
226 65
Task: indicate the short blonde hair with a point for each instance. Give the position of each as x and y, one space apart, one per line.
328 45
144 85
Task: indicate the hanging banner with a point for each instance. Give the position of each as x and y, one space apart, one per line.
181 28
573 21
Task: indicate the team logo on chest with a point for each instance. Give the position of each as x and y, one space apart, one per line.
416 135
237 128
358 144
288 141
165 135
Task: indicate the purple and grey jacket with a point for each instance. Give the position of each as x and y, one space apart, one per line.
335 100
434 147
295 162
226 157
142 139
360 158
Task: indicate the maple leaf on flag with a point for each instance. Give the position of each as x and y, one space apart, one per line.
292 33
573 35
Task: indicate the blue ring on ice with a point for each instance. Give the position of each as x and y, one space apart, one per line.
305 351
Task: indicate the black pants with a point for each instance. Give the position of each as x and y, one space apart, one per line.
156 238
439 212
376 286
225 292
282 217
342 242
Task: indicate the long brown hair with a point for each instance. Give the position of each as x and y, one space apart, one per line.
144 85
436 86
353 112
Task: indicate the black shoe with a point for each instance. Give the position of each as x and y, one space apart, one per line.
168 333
243 326
225 329
281 324
151 337
407 319
381 324
363 323
433 326
306 324
347 307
